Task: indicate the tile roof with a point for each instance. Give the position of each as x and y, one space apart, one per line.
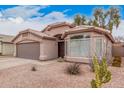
38 33
85 28
57 24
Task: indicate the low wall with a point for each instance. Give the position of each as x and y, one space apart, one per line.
118 50
78 59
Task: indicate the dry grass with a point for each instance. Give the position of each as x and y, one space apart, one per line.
54 75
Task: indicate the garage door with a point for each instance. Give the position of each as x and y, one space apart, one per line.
28 50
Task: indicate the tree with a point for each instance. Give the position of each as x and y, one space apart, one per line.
83 20
114 18
90 22
107 19
78 20
101 18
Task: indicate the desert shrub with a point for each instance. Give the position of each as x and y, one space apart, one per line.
60 59
73 69
102 74
33 69
116 61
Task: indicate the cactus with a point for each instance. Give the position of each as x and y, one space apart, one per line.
96 83
105 75
102 75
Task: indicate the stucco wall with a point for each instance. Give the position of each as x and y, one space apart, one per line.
108 50
58 30
27 38
78 59
49 50
0 48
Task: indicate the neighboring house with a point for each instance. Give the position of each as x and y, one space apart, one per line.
118 49
74 43
6 46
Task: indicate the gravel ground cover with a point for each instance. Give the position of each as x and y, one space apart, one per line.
54 76
50 75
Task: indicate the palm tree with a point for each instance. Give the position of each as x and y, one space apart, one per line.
108 19
99 18
104 19
114 18
78 20
83 20
90 22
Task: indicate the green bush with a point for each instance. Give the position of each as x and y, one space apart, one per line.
73 69
116 61
102 75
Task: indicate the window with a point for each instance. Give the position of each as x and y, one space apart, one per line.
75 48
109 49
79 46
99 47
77 37
87 36
85 48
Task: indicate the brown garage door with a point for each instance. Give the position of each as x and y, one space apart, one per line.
28 50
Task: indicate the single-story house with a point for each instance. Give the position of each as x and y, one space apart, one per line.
73 43
6 46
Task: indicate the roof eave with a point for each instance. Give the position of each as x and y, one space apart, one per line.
102 31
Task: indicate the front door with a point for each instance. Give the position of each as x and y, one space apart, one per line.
61 50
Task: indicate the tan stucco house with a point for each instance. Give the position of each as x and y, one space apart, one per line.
6 46
74 43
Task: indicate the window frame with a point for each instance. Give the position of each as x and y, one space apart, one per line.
84 37
102 42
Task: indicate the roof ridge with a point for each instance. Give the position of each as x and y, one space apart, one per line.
57 24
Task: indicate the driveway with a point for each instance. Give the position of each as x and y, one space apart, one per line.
8 62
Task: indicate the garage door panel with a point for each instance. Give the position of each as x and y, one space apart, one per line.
28 50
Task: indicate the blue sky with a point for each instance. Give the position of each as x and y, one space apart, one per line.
16 18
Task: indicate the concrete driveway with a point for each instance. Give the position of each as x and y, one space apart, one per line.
8 62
